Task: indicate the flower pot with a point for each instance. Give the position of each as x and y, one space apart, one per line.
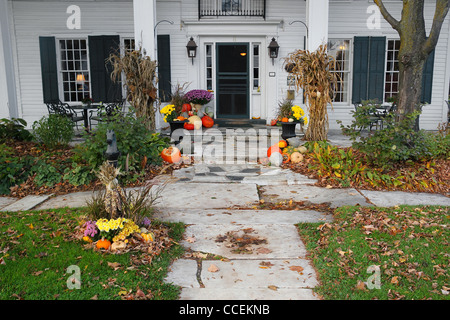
288 130
175 125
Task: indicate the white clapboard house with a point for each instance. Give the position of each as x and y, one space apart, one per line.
55 50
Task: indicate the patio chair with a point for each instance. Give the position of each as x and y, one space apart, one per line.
374 119
106 112
64 109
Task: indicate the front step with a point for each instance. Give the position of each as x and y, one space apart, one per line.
239 123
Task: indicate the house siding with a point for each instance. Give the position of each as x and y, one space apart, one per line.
31 19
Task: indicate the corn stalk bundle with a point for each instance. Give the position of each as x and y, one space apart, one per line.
313 72
140 81
114 194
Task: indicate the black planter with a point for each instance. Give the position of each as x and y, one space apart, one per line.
175 125
288 130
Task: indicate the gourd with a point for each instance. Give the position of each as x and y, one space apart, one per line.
302 149
282 144
103 244
189 126
296 157
285 120
171 155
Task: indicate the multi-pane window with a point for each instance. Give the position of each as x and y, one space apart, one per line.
256 67
209 67
392 70
74 69
129 44
340 50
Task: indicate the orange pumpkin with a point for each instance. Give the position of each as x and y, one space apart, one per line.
285 120
103 244
272 149
186 107
171 155
282 144
286 157
189 126
274 122
181 118
207 122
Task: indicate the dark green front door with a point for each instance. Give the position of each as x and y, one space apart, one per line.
232 80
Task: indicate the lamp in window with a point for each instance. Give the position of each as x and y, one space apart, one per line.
192 49
273 50
81 78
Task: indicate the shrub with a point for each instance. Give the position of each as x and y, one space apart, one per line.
396 142
53 131
138 146
46 174
14 129
13 170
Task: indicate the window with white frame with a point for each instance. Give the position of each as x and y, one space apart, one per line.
392 70
74 67
340 50
209 67
256 67
128 44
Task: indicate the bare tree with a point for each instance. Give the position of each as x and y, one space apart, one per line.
415 47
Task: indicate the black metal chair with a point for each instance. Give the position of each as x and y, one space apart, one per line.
106 112
375 119
64 109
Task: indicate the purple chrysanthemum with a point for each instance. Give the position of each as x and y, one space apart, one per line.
91 229
199 96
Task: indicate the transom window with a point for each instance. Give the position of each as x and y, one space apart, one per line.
74 69
340 50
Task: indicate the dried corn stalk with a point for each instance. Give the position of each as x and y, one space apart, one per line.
313 72
140 80
114 194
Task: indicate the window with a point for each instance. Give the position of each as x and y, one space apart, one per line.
74 69
231 5
209 68
129 44
256 70
392 70
339 49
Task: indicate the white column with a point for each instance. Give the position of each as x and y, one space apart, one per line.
8 101
144 25
317 12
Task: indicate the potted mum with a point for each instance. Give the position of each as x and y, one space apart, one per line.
289 116
172 117
198 98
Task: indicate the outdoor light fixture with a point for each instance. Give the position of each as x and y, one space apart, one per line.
192 49
273 50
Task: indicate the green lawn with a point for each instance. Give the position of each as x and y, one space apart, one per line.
36 250
408 245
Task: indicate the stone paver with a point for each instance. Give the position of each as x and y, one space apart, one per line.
251 217
73 200
335 197
27 203
393 198
6 201
247 294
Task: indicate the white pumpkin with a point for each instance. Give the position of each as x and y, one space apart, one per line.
302 149
296 157
196 121
276 159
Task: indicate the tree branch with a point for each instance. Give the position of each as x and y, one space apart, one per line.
387 16
442 8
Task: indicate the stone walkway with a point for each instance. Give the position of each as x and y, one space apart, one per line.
258 253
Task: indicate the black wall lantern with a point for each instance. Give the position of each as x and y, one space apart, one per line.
192 49
273 50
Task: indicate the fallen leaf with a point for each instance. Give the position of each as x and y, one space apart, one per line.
274 288
360 285
191 239
394 280
296 268
263 250
213 268
114 265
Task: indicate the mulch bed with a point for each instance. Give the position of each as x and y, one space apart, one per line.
438 180
64 155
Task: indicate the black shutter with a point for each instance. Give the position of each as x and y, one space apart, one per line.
369 65
49 69
377 69
164 68
360 68
427 80
103 88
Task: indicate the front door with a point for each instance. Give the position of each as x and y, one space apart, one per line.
232 80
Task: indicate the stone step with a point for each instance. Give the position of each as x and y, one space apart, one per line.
27 203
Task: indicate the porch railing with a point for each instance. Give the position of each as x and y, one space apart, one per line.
218 8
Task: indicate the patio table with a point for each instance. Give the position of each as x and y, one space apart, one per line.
85 108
